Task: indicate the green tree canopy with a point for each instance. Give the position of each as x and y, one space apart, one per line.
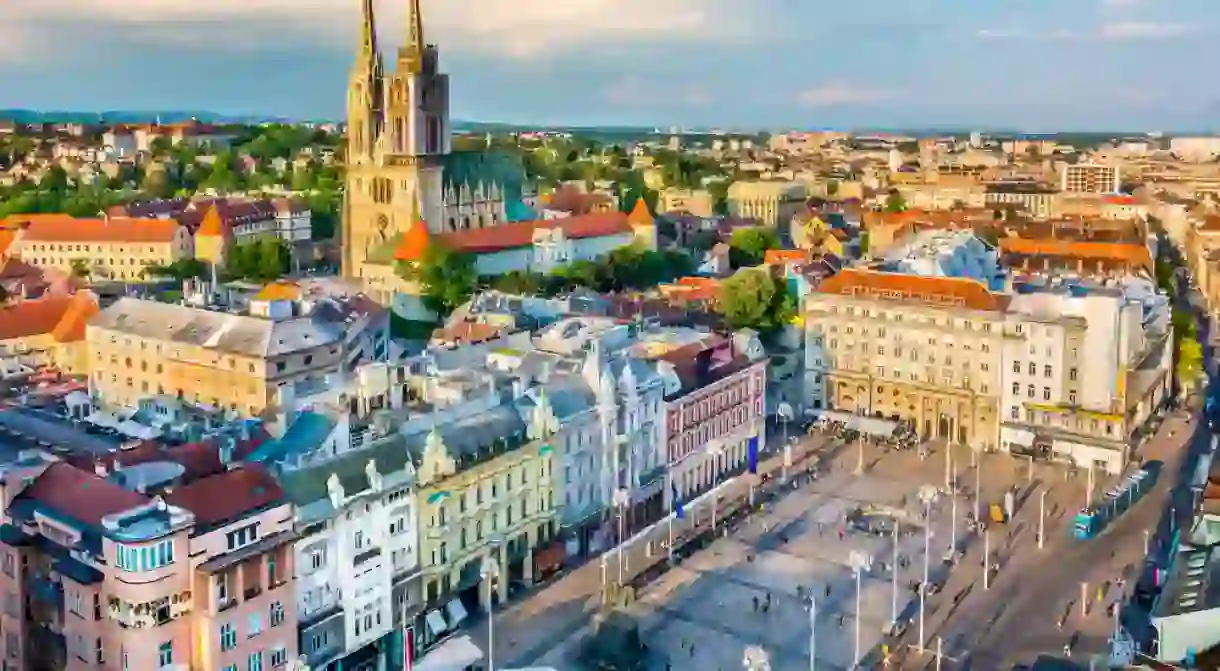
748 246
448 278
259 260
895 202
752 298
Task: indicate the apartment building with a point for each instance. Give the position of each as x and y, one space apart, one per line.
358 548
146 571
1048 257
143 348
715 406
1036 199
925 350
100 249
1091 178
769 202
697 202
1085 366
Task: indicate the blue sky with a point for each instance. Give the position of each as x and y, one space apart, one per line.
1027 64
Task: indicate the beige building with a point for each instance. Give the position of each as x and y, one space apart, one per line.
142 348
1090 178
698 202
48 331
902 347
770 202
102 249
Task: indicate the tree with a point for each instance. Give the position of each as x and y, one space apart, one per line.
261 260
1190 362
895 202
753 299
748 246
160 146
80 269
448 278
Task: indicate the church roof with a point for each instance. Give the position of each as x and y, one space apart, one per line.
639 214
413 243
521 234
212 223
484 167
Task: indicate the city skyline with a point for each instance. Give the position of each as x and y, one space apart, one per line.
684 62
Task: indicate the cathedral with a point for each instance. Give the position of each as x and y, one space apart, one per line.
401 167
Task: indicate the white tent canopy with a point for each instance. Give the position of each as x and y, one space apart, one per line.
454 654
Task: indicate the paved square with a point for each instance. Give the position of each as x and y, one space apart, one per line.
702 614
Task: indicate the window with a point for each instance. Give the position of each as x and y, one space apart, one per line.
1072 397
242 537
1030 391
254 625
277 615
144 558
165 653
1046 393
1016 413
1016 367
1046 371
255 661
228 636
279 657
1072 374
1016 388
1033 368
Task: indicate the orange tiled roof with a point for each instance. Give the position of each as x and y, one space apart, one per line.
213 224
279 291
776 256
63 228
1120 200
63 317
943 291
639 214
1110 251
413 243
521 234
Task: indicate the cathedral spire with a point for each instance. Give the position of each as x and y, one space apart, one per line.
411 55
370 57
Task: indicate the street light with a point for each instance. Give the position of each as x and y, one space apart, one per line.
860 461
621 498
490 571
860 563
894 581
813 630
986 559
953 524
923 587
1042 519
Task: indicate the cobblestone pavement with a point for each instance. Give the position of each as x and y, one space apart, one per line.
708 599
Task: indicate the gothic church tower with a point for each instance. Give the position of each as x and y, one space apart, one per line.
398 132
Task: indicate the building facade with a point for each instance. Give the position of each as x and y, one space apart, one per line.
925 350
1091 178
770 202
102 249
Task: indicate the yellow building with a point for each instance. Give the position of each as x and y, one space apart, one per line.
48 331
486 493
927 350
698 202
102 249
771 202
213 238
142 348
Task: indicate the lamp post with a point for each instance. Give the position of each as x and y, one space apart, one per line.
813 631
490 571
986 559
923 587
1146 537
860 460
860 563
621 498
1088 500
894 582
953 524
978 489
948 464
1041 519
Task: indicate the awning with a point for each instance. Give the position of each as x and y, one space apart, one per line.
456 612
1022 438
873 426
436 623
454 654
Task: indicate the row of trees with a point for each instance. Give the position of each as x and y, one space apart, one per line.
259 260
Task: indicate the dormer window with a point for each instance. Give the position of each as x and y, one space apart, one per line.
242 537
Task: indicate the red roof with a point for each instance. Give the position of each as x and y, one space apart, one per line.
63 317
521 234
1120 200
63 228
941 291
80 495
229 496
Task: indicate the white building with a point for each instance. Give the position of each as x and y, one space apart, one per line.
293 220
1195 149
1091 178
357 557
1084 368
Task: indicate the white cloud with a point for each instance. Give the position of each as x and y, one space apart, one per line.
1131 30
838 94
1143 31
515 28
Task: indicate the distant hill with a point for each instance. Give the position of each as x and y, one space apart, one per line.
131 116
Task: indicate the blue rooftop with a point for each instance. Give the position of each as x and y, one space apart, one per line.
306 433
515 210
